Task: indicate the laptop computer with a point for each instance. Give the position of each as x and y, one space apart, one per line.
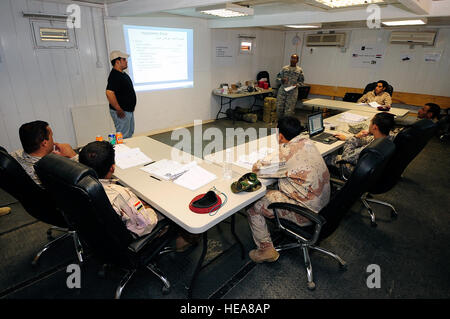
316 128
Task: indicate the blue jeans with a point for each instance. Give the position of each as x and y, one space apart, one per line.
124 125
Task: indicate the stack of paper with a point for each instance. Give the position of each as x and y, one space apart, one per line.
126 157
352 118
189 175
167 169
247 161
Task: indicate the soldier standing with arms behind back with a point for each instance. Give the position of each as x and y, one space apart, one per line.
290 75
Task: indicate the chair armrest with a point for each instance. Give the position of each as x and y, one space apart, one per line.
137 245
339 182
305 212
341 168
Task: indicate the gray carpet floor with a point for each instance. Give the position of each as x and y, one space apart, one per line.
412 251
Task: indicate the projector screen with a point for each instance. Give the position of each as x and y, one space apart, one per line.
160 58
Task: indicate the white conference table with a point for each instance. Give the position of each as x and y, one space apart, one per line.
173 200
271 142
349 106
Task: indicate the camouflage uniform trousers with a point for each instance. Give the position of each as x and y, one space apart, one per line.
286 102
259 211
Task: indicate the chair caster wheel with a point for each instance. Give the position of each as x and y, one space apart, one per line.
311 285
165 290
394 214
373 224
35 263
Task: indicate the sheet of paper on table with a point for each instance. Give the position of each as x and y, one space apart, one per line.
195 178
352 118
126 157
371 104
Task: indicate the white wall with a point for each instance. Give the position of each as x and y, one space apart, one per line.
330 66
45 83
267 56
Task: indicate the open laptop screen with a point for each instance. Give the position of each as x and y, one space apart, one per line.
315 123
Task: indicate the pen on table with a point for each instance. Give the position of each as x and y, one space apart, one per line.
155 178
149 163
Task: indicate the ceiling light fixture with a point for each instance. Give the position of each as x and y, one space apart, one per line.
305 26
346 3
394 23
227 10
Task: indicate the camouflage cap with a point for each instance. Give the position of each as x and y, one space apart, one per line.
247 183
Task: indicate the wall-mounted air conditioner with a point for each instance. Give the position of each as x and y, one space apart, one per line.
325 39
404 37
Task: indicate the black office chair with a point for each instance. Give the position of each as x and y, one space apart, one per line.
36 201
303 92
263 75
373 85
76 189
352 97
408 144
371 162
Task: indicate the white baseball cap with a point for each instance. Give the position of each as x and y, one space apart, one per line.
117 54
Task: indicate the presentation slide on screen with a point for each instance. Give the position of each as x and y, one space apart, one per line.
160 58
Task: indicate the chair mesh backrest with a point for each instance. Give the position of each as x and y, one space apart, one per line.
78 192
35 199
371 162
408 144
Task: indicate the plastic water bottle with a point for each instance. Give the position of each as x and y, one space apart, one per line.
227 165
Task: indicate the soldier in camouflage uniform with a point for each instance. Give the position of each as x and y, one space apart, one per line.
380 126
303 179
290 75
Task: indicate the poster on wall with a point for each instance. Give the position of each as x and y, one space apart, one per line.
224 50
367 56
432 56
223 54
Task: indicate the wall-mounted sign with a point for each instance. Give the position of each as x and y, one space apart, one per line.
367 56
